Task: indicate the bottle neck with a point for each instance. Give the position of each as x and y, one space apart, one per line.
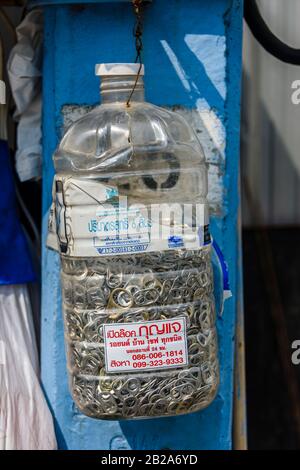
117 89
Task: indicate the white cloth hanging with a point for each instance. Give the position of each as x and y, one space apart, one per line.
24 72
25 420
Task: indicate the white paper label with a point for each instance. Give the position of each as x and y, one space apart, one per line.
145 345
90 218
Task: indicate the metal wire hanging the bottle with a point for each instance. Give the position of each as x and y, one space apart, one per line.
137 33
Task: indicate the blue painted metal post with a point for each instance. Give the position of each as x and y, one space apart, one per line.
192 55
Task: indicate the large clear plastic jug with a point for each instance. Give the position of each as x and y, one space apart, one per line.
132 225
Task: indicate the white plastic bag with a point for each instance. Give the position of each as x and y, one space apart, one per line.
25 420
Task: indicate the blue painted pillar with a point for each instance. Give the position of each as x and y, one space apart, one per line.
192 56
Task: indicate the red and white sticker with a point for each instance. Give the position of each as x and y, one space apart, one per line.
145 345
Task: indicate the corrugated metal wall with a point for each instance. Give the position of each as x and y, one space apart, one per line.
271 123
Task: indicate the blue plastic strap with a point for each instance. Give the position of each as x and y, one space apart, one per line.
225 273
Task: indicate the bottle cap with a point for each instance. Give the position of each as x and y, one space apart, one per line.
106 70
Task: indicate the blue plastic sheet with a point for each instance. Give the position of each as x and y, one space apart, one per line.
15 263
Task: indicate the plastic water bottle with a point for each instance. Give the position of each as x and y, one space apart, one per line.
133 234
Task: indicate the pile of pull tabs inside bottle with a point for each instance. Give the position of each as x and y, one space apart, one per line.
139 318
138 288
